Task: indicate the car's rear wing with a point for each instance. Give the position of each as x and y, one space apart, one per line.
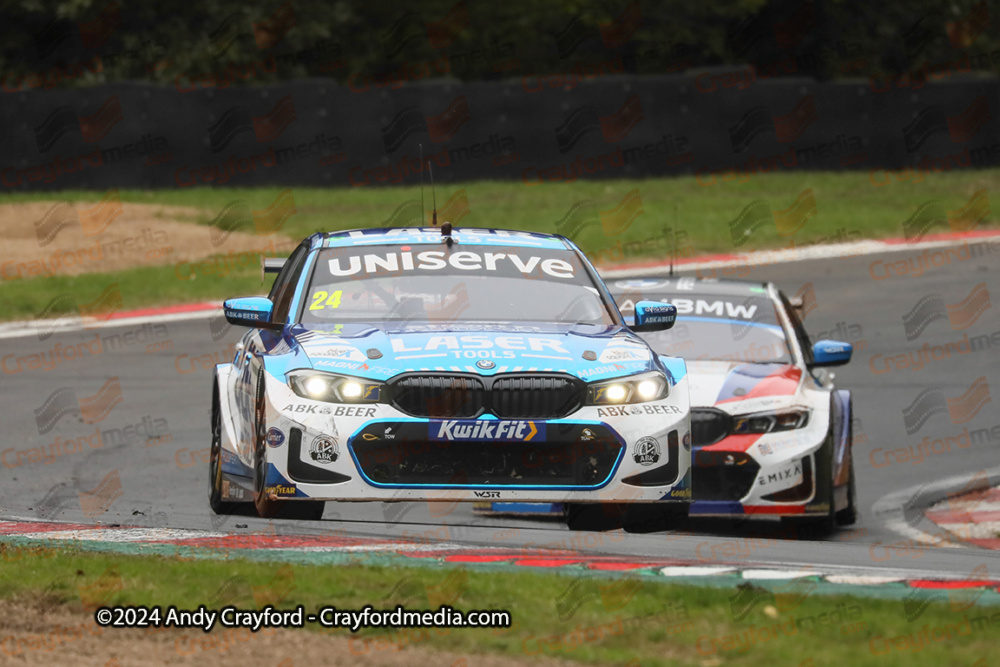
271 265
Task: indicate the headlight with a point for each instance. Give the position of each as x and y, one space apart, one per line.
635 389
334 388
770 422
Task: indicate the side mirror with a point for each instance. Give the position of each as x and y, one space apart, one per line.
654 316
250 311
831 353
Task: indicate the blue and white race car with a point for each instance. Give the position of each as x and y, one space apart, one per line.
414 364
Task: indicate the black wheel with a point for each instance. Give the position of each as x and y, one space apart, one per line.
215 501
265 506
849 515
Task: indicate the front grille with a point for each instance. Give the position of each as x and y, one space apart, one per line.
722 475
708 426
441 396
508 396
534 397
411 454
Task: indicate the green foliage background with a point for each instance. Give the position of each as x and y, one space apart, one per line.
159 41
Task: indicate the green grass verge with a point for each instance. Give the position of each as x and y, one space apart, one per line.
617 621
848 206
138 288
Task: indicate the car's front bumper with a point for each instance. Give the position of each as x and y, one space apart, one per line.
374 452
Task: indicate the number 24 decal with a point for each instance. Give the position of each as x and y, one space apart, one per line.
321 300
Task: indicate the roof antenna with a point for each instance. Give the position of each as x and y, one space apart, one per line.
423 215
446 227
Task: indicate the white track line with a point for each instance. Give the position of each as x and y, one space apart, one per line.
764 258
27 328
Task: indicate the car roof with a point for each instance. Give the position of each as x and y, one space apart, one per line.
688 285
464 236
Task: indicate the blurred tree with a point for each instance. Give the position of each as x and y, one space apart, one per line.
230 42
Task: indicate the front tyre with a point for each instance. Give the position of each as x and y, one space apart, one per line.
849 515
215 501
267 507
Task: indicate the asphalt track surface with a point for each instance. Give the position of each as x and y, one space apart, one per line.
165 484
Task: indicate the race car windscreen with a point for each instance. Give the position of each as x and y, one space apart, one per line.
719 328
422 283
